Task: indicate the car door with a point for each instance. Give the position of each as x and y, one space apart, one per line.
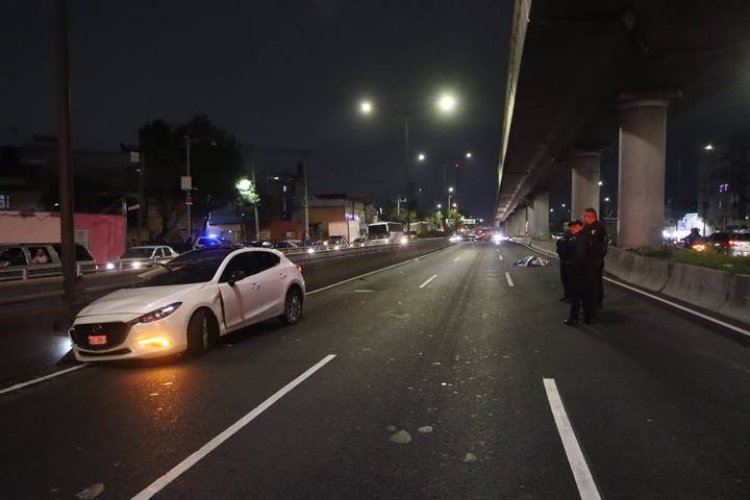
161 256
13 263
41 261
240 298
271 280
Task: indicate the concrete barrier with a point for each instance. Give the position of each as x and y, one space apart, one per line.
706 288
737 305
649 273
619 263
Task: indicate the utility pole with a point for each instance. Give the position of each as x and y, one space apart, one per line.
307 203
187 186
399 201
255 205
141 197
64 158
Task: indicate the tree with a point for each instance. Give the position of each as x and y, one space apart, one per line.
216 162
454 218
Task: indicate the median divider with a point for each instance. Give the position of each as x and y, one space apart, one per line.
737 304
707 288
325 268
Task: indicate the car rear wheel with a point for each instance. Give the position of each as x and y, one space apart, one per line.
292 306
201 334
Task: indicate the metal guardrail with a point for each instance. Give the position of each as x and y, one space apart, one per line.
23 273
305 255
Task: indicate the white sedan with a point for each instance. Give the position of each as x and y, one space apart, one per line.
188 303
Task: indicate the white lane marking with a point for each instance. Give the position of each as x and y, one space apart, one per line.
457 259
510 280
584 480
207 448
681 308
428 281
376 271
40 379
499 256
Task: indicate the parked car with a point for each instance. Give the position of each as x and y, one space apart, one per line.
207 242
36 260
335 243
719 241
359 242
739 244
142 257
285 245
190 302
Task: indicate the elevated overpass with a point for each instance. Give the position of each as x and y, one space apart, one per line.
583 74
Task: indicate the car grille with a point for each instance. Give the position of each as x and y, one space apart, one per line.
118 352
116 334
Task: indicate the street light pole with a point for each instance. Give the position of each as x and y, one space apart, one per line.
64 157
188 197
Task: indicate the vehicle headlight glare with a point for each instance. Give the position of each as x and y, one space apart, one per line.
137 265
110 266
158 314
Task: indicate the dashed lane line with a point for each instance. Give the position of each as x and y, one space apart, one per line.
428 281
584 480
207 448
40 379
510 280
457 259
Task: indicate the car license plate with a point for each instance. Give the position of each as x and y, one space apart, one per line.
97 340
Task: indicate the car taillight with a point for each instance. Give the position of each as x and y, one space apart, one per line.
734 243
299 269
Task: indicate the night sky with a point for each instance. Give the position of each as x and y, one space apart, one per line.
276 74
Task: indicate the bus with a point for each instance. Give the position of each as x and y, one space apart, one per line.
384 233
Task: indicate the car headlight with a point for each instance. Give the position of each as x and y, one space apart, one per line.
404 240
110 266
158 314
137 265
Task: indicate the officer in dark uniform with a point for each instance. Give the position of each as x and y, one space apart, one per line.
596 234
575 262
562 247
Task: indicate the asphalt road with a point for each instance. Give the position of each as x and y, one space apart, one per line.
443 348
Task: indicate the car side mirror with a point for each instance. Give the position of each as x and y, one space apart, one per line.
236 276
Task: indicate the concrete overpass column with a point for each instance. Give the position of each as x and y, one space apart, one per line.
539 216
585 183
643 139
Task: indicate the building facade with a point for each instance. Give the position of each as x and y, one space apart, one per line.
724 184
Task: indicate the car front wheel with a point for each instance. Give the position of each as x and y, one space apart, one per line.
200 333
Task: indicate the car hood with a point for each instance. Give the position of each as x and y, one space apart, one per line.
137 301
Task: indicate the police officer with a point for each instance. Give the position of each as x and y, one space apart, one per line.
575 261
596 234
563 246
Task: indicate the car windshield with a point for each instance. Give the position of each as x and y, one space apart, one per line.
192 267
137 253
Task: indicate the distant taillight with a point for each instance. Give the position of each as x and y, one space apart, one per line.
734 243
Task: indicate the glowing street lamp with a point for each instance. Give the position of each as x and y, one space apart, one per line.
365 107
468 155
601 183
450 189
439 206
447 103
708 147
421 157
